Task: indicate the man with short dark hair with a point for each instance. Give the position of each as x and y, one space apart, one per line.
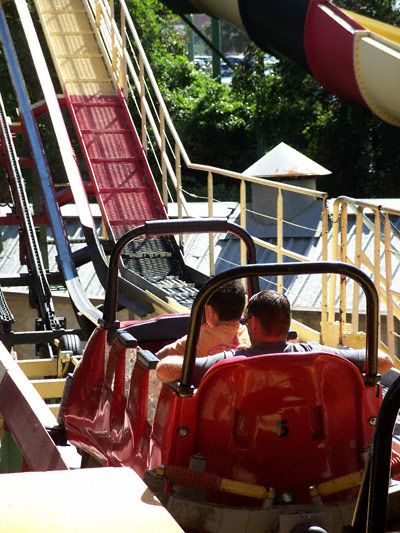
272 310
268 319
221 329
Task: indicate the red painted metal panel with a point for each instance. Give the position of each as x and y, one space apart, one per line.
283 420
24 162
102 117
287 421
116 162
103 417
132 205
6 220
86 391
120 174
107 410
108 145
328 40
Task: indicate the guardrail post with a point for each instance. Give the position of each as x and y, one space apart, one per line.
178 175
324 285
279 235
389 295
122 68
162 155
377 257
142 103
210 189
357 263
335 236
98 15
113 47
242 219
343 281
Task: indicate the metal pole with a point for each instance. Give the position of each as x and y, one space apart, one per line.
216 39
190 36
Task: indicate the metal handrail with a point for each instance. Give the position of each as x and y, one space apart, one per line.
156 123
382 235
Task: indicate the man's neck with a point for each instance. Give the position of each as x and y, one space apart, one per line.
275 341
268 340
228 323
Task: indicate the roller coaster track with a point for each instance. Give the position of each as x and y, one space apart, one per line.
74 287
117 164
135 292
34 258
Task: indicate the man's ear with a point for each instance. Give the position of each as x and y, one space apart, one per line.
254 323
211 314
214 312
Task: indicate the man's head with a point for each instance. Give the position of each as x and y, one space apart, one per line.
228 301
268 316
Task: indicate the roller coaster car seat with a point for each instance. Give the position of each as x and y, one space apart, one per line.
106 411
286 421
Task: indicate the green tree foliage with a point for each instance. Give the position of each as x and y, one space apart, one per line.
344 137
231 39
158 29
348 139
212 124
230 127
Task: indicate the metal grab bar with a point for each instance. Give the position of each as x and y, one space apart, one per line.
167 227
284 269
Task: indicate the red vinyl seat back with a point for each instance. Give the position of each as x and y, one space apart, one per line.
286 421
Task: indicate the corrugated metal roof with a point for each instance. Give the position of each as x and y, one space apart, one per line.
10 259
304 238
304 292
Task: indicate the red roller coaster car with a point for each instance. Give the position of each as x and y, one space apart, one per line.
269 443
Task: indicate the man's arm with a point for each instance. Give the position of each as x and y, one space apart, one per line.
169 368
385 362
174 348
357 357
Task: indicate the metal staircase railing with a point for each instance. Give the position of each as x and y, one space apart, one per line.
127 61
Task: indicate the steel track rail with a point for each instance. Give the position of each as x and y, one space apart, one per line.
135 293
32 249
70 274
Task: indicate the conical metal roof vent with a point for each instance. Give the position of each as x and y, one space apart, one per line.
283 161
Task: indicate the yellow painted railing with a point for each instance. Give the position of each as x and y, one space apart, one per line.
168 159
373 232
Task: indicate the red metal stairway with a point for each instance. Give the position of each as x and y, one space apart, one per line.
119 171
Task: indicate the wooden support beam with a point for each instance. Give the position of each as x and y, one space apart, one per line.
27 417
